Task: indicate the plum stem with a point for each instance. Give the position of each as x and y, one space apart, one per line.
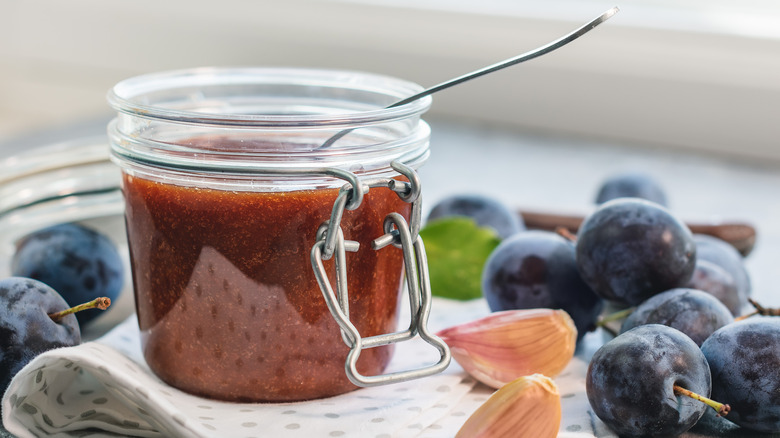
608 329
101 303
566 234
615 316
721 408
760 310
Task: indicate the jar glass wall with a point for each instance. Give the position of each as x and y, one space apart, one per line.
226 182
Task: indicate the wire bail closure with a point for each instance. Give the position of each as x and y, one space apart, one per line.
331 243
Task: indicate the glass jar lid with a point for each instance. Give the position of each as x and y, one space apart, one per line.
234 121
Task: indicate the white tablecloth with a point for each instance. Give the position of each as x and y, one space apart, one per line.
104 388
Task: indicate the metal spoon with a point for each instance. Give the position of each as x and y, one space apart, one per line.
547 48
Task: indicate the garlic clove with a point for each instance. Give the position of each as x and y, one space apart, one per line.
529 406
505 345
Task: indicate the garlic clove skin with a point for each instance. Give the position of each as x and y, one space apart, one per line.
503 346
529 406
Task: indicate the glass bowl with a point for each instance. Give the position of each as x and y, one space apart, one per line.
70 181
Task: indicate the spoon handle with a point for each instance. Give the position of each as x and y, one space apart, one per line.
539 51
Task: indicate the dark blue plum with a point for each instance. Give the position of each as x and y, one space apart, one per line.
721 253
693 312
486 212
631 185
716 281
536 269
744 358
25 327
630 382
78 262
630 249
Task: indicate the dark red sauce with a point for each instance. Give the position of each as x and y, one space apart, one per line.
227 301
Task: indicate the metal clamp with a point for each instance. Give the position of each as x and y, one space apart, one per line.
330 242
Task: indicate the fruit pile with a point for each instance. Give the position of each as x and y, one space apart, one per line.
682 345
62 277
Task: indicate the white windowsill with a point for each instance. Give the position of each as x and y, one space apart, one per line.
658 73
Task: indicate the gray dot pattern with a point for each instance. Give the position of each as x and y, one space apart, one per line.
108 383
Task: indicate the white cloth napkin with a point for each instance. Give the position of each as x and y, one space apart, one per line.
105 389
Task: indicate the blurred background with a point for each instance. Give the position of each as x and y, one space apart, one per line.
691 75
684 90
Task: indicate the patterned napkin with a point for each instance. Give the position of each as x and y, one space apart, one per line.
105 389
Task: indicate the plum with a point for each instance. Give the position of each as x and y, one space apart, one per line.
693 312
635 382
631 185
76 261
721 253
716 281
485 211
537 269
630 249
744 358
26 330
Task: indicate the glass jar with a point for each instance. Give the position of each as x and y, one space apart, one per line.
244 190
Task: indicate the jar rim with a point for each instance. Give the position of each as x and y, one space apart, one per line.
131 95
249 122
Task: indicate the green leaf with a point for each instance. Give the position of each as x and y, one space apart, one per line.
457 250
